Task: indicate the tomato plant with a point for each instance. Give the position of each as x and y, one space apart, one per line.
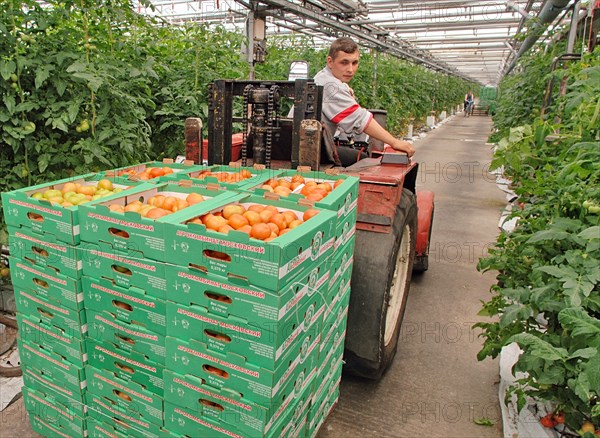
547 298
80 93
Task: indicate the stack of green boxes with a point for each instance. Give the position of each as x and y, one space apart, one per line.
47 272
186 331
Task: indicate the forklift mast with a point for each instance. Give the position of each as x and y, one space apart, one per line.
267 135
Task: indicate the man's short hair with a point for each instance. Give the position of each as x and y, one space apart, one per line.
343 44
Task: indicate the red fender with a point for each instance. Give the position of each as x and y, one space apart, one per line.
424 220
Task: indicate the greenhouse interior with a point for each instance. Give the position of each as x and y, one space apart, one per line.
300 218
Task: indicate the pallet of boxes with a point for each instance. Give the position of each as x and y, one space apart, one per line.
195 301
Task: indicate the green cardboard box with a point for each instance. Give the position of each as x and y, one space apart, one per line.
341 261
37 379
45 251
130 231
62 417
233 372
322 412
105 411
345 230
46 282
129 337
235 296
264 264
132 305
52 339
288 420
337 296
342 199
128 270
127 365
333 340
48 429
52 366
127 397
102 426
71 322
41 217
265 344
205 177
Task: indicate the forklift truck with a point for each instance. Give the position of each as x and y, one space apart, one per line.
393 220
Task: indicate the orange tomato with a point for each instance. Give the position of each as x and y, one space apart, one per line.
287 230
311 212
294 224
180 205
260 231
213 222
237 221
231 209
337 183
314 196
245 229
284 183
116 207
167 170
157 201
290 216
194 198
298 178
155 213
256 207
225 229
274 227
267 187
265 215
155 172
282 191
279 220
134 206
169 203
272 208
252 216
245 173
325 186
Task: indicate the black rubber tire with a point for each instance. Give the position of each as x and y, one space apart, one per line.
421 263
375 257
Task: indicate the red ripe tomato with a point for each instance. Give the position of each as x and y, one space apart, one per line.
548 421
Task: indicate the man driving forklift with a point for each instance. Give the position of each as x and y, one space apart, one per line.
343 118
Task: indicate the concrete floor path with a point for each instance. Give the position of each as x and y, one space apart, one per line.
435 386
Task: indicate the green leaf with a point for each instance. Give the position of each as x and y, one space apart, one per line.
545 235
584 353
7 68
43 161
483 422
93 81
590 233
57 123
538 347
592 372
72 111
10 103
581 387
555 271
41 74
579 322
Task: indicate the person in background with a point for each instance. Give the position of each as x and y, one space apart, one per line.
469 101
342 116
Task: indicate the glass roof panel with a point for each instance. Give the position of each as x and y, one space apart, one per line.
472 39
